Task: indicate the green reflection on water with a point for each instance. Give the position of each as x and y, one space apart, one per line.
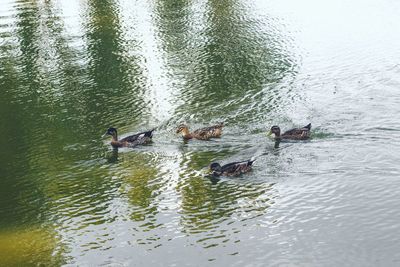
118 81
225 64
59 97
137 187
30 247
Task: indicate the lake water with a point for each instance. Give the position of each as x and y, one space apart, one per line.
71 69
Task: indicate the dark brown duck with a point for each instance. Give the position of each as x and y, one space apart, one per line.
231 169
129 141
293 134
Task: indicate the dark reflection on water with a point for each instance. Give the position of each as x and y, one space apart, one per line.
15 115
69 71
115 95
227 62
112 157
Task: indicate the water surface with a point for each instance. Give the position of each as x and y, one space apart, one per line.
71 69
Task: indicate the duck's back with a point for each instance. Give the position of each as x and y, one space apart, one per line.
208 132
137 139
236 168
298 133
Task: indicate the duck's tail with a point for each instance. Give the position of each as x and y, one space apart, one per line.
250 162
150 133
308 126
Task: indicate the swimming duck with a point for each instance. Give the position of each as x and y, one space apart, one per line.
294 134
129 141
231 169
201 134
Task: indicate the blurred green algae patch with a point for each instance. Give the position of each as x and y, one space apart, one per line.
30 247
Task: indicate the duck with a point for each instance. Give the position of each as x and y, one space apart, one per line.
231 169
206 133
129 141
293 134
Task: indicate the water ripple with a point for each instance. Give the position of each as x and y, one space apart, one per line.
70 71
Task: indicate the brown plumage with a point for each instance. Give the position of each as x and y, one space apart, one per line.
201 134
294 134
129 141
231 169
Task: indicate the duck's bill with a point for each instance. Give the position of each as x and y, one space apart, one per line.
104 135
269 133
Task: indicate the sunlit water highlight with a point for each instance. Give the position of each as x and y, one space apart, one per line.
71 69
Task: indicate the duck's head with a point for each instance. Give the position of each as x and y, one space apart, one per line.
111 131
275 130
215 167
183 128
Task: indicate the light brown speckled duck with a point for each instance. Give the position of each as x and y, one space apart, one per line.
201 134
